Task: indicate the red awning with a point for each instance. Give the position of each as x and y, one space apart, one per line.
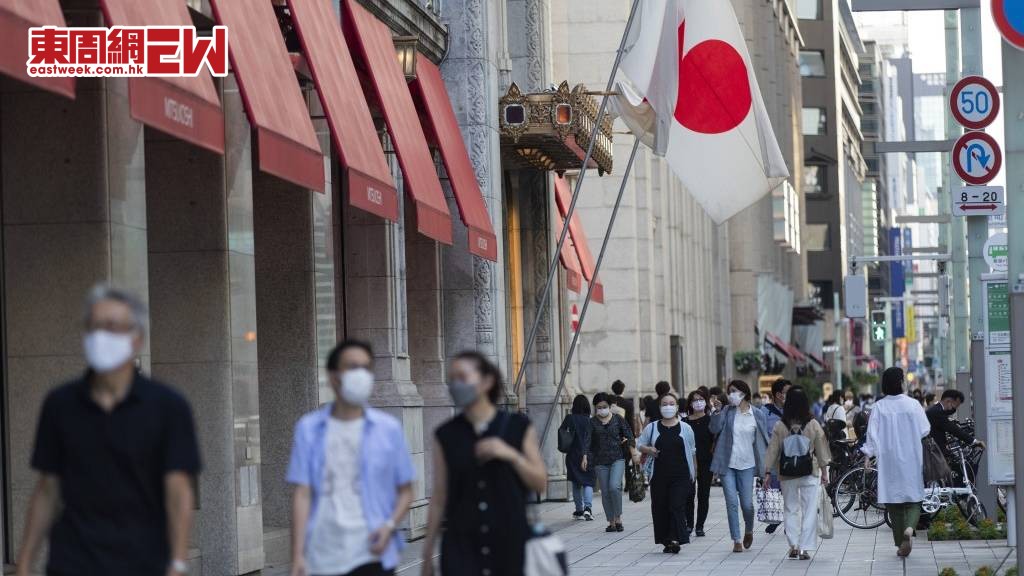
16 17
370 40
563 197
570 261
187 108
370 185
287 144
434 101
789 350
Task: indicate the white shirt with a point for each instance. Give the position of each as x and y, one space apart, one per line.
895 429
744 426
340 541
835 412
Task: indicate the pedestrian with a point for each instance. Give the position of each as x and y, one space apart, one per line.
352 476
578 420
485 462
739 457
929 400
611 438
896 425
942 427
700 422
773 414
818 408
799 492
117 455
835 417
653 412
618 404
670 447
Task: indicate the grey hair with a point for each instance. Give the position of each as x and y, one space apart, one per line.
102 292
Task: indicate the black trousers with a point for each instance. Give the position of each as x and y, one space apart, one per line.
703 493
374 569
668 508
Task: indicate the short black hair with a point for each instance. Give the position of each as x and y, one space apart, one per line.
618 387
892 381
954 394
601 397
662 388
692 397
580 405
486 368
742 387
335 356
779 385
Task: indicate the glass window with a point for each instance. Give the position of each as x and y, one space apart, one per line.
814 179
815 121
812 63
816 238
808 9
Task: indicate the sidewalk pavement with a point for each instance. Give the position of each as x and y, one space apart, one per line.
633 552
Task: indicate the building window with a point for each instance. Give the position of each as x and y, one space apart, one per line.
812 63
814 179
815 121
808 9
816 238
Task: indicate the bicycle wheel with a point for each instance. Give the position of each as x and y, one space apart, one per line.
860 487
972 509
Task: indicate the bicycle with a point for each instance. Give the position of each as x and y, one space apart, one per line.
846 456
856 498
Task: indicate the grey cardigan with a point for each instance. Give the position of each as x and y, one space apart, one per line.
721 426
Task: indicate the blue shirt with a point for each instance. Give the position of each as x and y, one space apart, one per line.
385 466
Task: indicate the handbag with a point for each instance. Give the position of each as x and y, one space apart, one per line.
636 483
545 555
769 506
566 436
936 469
825 527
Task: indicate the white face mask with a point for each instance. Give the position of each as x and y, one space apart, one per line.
356 386
848 404
669 411
735 398
106 351
603 412
698 405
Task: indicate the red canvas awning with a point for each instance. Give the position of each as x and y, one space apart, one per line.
440 118
287 144
187 108
370 186
789 350
16 17
370 40
570 261
563 197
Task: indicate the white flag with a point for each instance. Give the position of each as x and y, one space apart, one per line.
691 95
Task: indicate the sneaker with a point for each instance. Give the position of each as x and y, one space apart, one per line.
587 514
577 515
805 555
907 544
794 553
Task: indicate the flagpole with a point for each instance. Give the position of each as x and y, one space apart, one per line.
590 292
546 293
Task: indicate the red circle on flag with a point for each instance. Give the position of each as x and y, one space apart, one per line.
714 88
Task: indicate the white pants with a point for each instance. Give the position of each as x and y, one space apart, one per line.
800 500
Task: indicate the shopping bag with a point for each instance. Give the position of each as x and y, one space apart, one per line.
825 528
545 554
769 505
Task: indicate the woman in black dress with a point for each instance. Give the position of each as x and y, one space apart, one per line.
669 445
486 461
698 419
582 479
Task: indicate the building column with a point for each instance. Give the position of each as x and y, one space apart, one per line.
374 306
74 214
203 290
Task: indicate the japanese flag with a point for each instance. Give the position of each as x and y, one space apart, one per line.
690 94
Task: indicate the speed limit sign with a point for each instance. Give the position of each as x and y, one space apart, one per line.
974 102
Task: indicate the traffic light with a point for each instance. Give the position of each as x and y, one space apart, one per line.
879 331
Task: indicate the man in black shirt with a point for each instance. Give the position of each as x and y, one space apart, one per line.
116 453
653 410
618 388
938 417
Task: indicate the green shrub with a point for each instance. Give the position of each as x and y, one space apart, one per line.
948 571
963 530
1001 516
1011 571
985 571
938 531
987 530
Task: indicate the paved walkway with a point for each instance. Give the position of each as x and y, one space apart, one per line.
851 552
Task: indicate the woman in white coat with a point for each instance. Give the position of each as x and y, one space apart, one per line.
896 421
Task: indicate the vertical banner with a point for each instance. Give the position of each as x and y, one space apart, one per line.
897 283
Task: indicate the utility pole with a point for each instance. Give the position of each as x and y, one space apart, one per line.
837 362
952 235
1013 115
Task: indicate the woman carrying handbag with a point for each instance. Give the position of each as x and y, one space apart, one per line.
610 438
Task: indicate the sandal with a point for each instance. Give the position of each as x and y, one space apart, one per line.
794 553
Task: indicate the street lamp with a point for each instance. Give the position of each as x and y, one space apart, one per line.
405 49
